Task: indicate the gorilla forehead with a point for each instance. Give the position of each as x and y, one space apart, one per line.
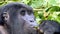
17 6
13 8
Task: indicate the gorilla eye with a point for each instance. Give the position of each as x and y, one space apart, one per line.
22 12
30 12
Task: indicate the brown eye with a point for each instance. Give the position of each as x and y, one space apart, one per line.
22 12
30 12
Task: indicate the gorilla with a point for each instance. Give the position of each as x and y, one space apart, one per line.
18 18
49 27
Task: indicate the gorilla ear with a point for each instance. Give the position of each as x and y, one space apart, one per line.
5 16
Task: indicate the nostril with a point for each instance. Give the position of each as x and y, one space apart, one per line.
31 21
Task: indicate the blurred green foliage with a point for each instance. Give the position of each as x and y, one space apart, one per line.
43 9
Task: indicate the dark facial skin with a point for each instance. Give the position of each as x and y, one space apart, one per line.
49 27
19 18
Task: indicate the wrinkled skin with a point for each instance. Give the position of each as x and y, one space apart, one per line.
49 27
19 18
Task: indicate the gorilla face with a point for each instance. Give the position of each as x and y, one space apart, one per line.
18 17
28 16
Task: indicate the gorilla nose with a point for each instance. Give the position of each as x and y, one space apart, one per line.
31 21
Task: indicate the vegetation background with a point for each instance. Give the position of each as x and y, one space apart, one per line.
43 9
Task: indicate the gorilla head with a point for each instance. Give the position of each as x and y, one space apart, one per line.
19 18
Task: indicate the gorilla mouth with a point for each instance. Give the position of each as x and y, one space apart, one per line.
41 31
36 28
